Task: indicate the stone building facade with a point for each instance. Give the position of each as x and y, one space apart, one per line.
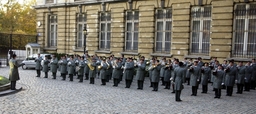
172 28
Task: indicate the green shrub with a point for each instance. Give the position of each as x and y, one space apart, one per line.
4 80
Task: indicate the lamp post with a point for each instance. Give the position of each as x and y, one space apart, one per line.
85 33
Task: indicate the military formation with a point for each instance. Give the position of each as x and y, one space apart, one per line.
171 74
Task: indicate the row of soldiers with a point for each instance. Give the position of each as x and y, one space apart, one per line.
170 72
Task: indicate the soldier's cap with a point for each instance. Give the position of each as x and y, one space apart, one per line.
195 61
181 63
231 61
199 58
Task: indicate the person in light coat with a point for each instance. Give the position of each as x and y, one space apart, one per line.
71 68
178 79
248 75
195 77
38 65
168 74
219 75
54 66
155 75
14 72
117 71
103 71
206 74
92 70
140 75
81 65
231 72
240 77
63 67
45 65
128 72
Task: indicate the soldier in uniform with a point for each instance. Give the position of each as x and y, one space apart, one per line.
190 63
81 65
206 74
38 65
253 78
248 75
178 79
195 77
92 70
231 72
109 71
168 74
174 65
140 74
240 77
104 66
128 72
162 64
86 68
152 63
71 68
117 71
200 62
155 75
14 72
218 81
54 66
45 63
63 67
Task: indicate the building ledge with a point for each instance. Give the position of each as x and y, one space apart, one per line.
50 49
240 59
161 55
129 53
78 50
196 56
103 51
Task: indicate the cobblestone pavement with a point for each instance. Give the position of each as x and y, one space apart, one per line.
44 96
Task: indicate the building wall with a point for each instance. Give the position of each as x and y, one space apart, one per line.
221 27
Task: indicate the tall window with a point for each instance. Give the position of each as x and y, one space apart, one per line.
244 41
132 30
81 24
53 26
163 30
105 31
200 30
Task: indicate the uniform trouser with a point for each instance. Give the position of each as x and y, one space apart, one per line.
116 81
204 88
120 78
217 92
177 95
110 76
173 88
128 83
155 86
246 86
81 77
46 74
38 72
92 80
188 79
194 90
13 85
54 75
162 79
70 77
253 84
229 90
63 75
86 76
103 81
167 85
240 88
107 79
140 84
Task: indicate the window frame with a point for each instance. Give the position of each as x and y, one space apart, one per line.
105 31
54 31
201 31
164 20
132 21
84 24
244 53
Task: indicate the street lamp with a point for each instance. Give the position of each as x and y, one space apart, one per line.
85 33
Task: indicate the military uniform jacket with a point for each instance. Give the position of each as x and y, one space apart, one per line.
162 70
81 66
205 75
14 73
219 79
86 68
248 74
215 66
109 71
54 65
92 73
63 66
103 71
195 76
140 75
168 74
38 63
240 74
187 71
45 65
71 67
230 76
129 70
117 71
155 73
178 78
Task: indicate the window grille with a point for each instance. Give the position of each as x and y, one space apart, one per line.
81 23
163 30
244 32
200 30
53 27
105 31
132 30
